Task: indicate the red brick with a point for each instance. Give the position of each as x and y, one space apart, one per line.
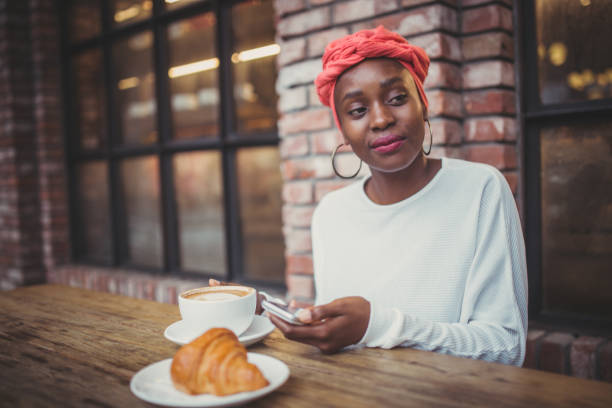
488 73
445 131
534 337
300 286
445 103
490 129
439 45
301 73
554 352
325 141
292 99
512 179
486 18
605 362
324 187
298 240
295 216
497 155
310 167
411 3
313 97
299 264
304 22
442 74
423 19
487 45
361 9
291 51
305 120
583 356
318 41
293 146
467 3
489 101
297 192
283 7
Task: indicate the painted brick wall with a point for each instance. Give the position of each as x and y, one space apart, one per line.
470 87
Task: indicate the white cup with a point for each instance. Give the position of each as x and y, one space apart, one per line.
232 307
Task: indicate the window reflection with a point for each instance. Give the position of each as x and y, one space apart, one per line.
574 62
140 182
259 186
199 198
94 241
135 88
193 77
174 4
85 19
254 65
131 11
577 218
89 100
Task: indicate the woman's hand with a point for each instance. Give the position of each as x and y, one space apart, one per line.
329 327
258 308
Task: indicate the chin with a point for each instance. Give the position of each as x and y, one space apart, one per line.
390 167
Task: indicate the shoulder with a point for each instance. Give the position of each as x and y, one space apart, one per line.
341 199
472 176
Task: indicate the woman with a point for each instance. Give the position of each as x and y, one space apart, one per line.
425 253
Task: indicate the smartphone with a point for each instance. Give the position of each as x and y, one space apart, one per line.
284 312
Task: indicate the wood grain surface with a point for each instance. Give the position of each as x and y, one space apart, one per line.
69 347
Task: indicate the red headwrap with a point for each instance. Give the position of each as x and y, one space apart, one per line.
350 50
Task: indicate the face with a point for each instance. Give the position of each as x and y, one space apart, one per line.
380 113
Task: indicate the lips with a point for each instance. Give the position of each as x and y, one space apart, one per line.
387 144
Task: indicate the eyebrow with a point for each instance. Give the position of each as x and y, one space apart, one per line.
384 84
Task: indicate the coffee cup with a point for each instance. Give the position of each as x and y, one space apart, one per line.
231 307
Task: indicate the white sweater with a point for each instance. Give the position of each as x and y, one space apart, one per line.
444 270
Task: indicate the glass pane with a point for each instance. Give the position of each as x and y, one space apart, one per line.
174 4
199 197
85 19
259 184
574 59
140 183
89 100
577 219
93 208
254 65
193 77
130 11
135 89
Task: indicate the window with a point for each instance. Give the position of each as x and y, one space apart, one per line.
171 137
566 110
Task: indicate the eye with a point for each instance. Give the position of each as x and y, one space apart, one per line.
398 99
357 112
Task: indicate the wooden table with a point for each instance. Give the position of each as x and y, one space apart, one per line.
67 347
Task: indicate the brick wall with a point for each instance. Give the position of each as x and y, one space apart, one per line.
571 354
470 87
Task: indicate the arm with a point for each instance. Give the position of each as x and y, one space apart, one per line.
493 321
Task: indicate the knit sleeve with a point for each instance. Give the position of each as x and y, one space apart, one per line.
493 318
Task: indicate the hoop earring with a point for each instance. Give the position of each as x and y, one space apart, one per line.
430 139
333 158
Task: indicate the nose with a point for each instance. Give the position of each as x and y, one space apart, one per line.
381 117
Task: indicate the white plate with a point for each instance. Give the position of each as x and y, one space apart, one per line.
153 384
260 328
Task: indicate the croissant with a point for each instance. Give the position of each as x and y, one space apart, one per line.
215 363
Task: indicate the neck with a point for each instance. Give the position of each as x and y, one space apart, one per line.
388 188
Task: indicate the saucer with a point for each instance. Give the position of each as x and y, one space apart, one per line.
153 384
178 333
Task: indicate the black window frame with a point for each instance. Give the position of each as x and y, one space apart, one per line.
227 144
534 116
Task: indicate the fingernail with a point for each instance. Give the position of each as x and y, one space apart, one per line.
304 315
